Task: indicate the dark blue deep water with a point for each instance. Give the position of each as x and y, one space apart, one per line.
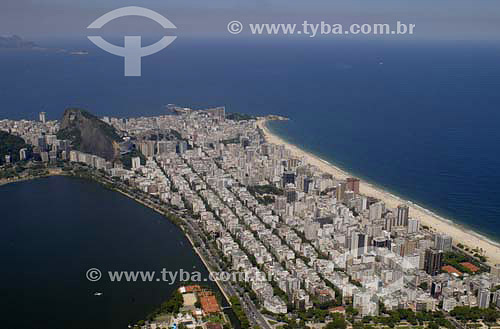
418 118
55 229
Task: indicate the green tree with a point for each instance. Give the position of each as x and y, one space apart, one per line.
338 322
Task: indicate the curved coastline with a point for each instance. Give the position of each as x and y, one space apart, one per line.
459 232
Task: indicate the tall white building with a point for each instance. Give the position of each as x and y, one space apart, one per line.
358 244
495 272
41 116
442 242
136 163
483 298
413 225
376 210
402 215
22 154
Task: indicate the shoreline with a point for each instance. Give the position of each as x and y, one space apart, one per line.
145 204
51 173
427 217
204 261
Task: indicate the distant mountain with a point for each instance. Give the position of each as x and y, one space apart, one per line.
14 41
89 134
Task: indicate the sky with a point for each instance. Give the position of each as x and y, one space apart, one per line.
434 19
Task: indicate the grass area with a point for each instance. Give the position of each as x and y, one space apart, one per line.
163 318
215 318
454 259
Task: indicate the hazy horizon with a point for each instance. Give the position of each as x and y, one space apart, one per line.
445 20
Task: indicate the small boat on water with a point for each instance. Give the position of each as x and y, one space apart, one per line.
97 293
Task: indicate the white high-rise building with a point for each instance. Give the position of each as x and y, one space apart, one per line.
449 303
495 272
442 242
358 244
22 154
136 163
41 116
483 298
376 210
402 215
413 225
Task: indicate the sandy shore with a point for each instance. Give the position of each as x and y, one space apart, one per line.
426 217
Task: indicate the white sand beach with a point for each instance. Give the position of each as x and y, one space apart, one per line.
426 217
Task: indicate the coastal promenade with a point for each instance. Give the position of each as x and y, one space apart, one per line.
207 265
158 208
436 223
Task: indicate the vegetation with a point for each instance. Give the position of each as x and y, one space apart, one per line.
172 305
278 292
235 140
265 189
11 145
314 314
72 134
338 322
264 193
126 159
171 136
433 319
23 170
424 286
174 219
238 311
176 134
466 313
239 116
355 282
455 258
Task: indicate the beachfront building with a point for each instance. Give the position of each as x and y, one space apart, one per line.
442 242
433 261
296 231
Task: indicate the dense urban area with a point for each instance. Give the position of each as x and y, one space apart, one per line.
315 253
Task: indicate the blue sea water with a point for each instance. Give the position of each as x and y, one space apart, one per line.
418 118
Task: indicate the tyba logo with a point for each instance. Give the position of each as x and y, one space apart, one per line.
132 50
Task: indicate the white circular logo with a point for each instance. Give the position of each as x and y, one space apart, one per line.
93 274
234 27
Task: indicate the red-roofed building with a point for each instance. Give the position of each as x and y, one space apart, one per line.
450 269
471 267
193 288
338 309
209 303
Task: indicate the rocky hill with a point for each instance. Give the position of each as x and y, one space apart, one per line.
89 134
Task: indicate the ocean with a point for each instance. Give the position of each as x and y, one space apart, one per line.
418 118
